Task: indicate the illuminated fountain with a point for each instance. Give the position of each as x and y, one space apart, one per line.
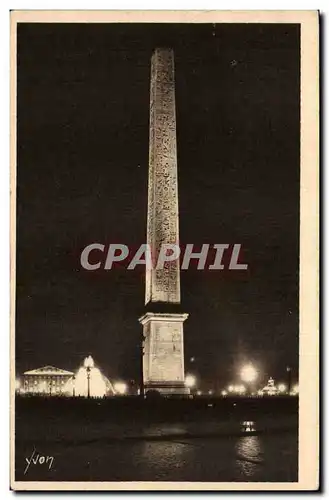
89 382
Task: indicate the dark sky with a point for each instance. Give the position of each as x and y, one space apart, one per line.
83 111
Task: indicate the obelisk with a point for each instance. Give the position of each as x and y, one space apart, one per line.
163 348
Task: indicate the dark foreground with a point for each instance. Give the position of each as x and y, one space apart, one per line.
127 439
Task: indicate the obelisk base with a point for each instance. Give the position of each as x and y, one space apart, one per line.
163 353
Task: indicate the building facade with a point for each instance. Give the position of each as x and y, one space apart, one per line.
47 380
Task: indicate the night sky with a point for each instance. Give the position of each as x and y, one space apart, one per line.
82 132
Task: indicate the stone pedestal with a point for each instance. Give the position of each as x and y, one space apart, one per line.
163 358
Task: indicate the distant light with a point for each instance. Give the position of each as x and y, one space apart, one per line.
248 426
248 373
260 393
295 389
192 359
199 393
17 384
190 381
230 388
210 392
224 393
242 389
282 388
120 388
89 362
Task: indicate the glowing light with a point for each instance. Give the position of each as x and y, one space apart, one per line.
210 392
120 388
260 393
282 388
199 393
248 373
190 381
242 389
17 384
89 362
99 385
224 393
230 388
295 389
248 426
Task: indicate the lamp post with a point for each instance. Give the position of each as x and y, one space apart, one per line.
88 381
88 364
289 378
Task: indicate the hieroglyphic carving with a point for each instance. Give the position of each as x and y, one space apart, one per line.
166 363
162 222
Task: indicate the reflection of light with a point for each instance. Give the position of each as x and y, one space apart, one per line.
120 388
248 373
250 455
190 381
224 393
282 388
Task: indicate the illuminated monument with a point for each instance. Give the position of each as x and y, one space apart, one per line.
163 347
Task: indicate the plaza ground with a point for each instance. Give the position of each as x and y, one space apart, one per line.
127 439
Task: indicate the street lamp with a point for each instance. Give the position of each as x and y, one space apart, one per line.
190 381
88 364
282 388
289 377
120 388
248 373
